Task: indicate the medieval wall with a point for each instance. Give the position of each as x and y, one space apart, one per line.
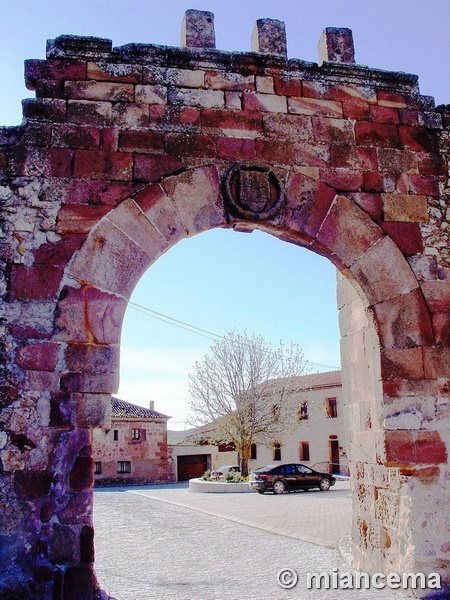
127 150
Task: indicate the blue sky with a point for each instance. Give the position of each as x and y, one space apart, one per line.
221 280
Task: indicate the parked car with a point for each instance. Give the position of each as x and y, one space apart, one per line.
222 471
281 478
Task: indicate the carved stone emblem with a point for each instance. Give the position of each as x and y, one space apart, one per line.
252 192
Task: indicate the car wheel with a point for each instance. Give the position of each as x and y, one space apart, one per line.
324 484
279 487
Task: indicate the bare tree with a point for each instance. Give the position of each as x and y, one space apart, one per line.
244 385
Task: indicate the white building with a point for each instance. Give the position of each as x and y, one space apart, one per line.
318 440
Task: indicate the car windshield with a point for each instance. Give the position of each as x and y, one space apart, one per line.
267 468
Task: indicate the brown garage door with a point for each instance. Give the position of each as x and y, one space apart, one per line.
191 466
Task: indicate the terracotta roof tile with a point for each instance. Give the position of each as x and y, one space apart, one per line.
123 410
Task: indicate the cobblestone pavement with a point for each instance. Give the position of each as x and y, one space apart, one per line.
160 542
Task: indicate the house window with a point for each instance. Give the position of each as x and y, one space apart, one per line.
97 467
227 447
304 451
253 452
124 466
303 411
116 435
135 434
332 408
277 452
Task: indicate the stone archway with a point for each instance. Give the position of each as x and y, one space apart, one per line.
127 151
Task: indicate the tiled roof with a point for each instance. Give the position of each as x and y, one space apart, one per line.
124 410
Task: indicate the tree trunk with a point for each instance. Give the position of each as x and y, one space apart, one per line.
245 455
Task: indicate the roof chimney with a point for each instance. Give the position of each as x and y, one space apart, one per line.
152 405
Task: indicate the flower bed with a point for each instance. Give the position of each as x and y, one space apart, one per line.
203 486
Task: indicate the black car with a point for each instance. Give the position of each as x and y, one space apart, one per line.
281 478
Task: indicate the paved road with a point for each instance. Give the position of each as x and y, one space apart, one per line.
157 543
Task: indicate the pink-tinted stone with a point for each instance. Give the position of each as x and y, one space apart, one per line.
237 149
80 218
38 282
407 236
92 358
383 272
347 231
377 134
384 114
404 321
42 356
402 363
418 139
82 474
98 164
437 362
308 203
30 485
158 208
148 167
411 448
342 180
142 141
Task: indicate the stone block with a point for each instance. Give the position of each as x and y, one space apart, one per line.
380 135
418 139
148 167
405 448
41 356
287 85
151 94
89 113
236 149
75 136
441 326
90 383
75 219
91 358
407 236
58 70
402 363
130 114
307 204
142 141
174 118
264 84
197 198
336 45
269 37
223 80
30 485
405 208
356 109
431 164
333 130
392 99
369 202
383 272
104 315
190 144
352 157
99 90
373 182
265 102
242 124
158 208
404 321
45 109
78 583
99 164
92 410
437 362
396 161
342 180
37 282
427 186
196 97
313 106
197 29
287 127
174 77
347 231
110 261
384 114
103 70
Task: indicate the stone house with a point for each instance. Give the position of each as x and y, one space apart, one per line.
134 448
318 440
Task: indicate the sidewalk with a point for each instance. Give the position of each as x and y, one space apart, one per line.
159 542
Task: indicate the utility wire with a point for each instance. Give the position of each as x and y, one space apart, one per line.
197 330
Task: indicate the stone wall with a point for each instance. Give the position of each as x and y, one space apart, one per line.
127 150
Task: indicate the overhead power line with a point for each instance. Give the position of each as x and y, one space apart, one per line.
197 330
